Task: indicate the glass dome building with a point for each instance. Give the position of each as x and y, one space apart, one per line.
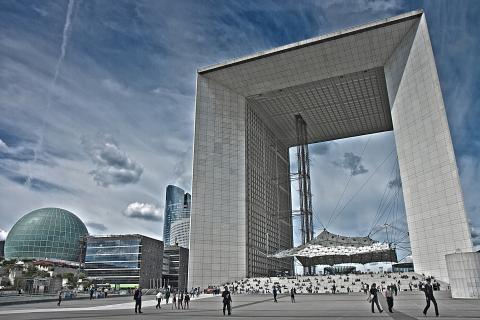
48 233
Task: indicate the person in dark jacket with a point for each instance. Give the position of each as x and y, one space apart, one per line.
227 301
275 294
373 298
60 294
187 301
137 296
389 297
167 295
180 300
292 295
428 289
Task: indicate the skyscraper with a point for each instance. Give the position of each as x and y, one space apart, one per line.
177 206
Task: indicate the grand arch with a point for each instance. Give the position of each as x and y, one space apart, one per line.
377 77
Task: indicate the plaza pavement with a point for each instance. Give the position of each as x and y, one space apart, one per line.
408 305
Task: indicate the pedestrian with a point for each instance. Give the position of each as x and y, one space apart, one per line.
227 301
174 300
91 293
59 298
187 301
137 296
180 300
292 295
275 294
429 296
373 298
105 291
159 297
167 296
389 297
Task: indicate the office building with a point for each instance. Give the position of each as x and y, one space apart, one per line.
124 261
177 207
180 233
175 268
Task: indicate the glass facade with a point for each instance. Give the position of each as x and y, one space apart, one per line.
48 233
115 261
177 206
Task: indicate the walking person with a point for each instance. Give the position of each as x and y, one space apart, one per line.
389 297
275 294
187 301
167 296
137 296
159 297
174 300
59 298
292 295
180 300
373 298
227 301
428 289
91 293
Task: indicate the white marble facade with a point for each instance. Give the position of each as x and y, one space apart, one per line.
377 77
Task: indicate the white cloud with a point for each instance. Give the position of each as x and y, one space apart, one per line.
116 87
144 211
114 167
3 146
3 235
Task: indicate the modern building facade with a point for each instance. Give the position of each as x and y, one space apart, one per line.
373 78
125 261
180 233
177 206
175 268
2 249
47 233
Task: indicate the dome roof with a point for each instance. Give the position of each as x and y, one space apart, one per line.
50 233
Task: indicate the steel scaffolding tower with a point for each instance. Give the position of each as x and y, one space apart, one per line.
303 164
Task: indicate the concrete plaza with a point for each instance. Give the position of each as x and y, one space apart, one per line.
408 305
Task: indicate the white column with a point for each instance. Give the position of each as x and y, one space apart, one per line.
436 217
217 236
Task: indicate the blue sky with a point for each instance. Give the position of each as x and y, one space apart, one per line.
116 126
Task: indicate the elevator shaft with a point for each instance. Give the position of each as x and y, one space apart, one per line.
303 164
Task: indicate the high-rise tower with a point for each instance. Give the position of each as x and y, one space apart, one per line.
177 207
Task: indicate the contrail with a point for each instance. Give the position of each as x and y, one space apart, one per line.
58 65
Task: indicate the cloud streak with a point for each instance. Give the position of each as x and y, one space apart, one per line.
96 226
65 35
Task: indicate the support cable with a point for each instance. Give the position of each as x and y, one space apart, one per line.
347 184
363 185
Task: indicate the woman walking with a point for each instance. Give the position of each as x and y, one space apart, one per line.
373 298
159 297
180 300
174 300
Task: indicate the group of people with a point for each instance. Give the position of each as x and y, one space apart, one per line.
180 300
391 290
